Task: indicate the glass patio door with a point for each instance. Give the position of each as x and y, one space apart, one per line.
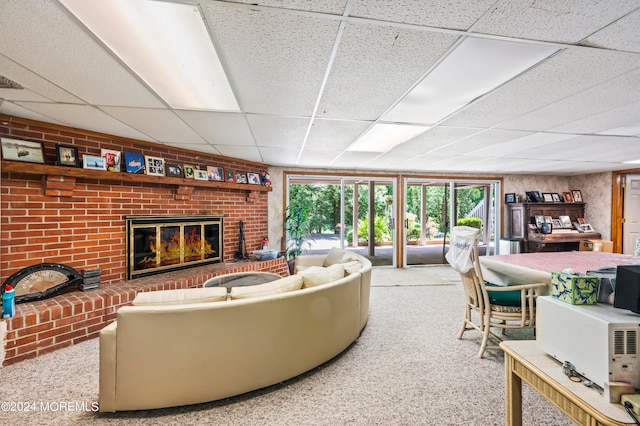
432 206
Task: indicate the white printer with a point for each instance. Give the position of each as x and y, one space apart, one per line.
599 340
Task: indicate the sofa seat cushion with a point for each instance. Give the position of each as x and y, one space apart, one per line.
181 296
318 275
283 285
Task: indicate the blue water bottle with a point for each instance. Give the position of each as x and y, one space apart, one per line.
8 302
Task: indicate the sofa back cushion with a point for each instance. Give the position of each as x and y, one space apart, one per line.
334 256
283 285
181 296
317 275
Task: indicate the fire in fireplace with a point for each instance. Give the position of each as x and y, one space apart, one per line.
163 243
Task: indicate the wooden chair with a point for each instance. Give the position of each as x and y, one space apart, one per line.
500 307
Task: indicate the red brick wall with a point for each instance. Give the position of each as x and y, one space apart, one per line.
79 221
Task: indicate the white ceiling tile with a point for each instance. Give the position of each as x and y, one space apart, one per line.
277 62
551 20
280 155
161 125
520 141
67 55
441 13
10 108
334 134
318 158
567 73
595 100
604 122
321 6
249 153
78 115
622 34
40 89
272 130
434 139
219 127
388 61
349 159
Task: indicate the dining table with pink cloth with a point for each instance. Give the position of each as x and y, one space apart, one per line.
525 268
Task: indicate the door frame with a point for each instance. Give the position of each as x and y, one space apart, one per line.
617 206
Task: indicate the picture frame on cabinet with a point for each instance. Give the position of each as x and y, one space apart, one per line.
67 156
547 197
22 150
189 171
155 165
556 197
173 169
581 220
539 220
568 198
577 195
93 162
565 221
510 197
200 174
134 162
547 228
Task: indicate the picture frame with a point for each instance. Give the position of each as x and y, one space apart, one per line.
548 219
253 178
537 196
22 150
547 228
565 221
67 156
547 197
539 220
568 198
510 197
577 195
93 162
113 159
581 220
228 176
587 228
556 197
172 169
189 171
241 178
200 174
215 173
154 165
134 162
556 223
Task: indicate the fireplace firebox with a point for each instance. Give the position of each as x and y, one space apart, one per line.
158 244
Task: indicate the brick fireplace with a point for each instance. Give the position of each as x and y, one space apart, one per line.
77 217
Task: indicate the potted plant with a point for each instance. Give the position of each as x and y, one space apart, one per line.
296 224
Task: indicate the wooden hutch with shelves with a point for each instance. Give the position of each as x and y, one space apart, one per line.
520 215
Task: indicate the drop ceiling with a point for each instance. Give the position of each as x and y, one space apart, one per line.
312 77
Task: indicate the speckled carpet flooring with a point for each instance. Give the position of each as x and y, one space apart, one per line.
407 368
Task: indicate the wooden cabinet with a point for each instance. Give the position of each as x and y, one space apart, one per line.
520 215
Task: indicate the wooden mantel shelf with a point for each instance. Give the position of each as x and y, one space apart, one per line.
49 170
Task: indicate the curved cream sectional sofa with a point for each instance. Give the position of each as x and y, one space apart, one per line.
180 347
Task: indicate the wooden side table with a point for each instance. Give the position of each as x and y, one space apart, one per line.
524 361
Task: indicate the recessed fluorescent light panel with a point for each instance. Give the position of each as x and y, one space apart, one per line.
632 162
166 44
382 137
475 67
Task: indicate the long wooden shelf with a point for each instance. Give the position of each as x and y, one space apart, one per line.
45 169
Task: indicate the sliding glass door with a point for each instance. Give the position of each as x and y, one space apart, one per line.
432 206
354 213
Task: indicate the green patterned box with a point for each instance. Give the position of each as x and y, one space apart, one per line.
575 289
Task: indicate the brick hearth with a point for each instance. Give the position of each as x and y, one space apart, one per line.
46 325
